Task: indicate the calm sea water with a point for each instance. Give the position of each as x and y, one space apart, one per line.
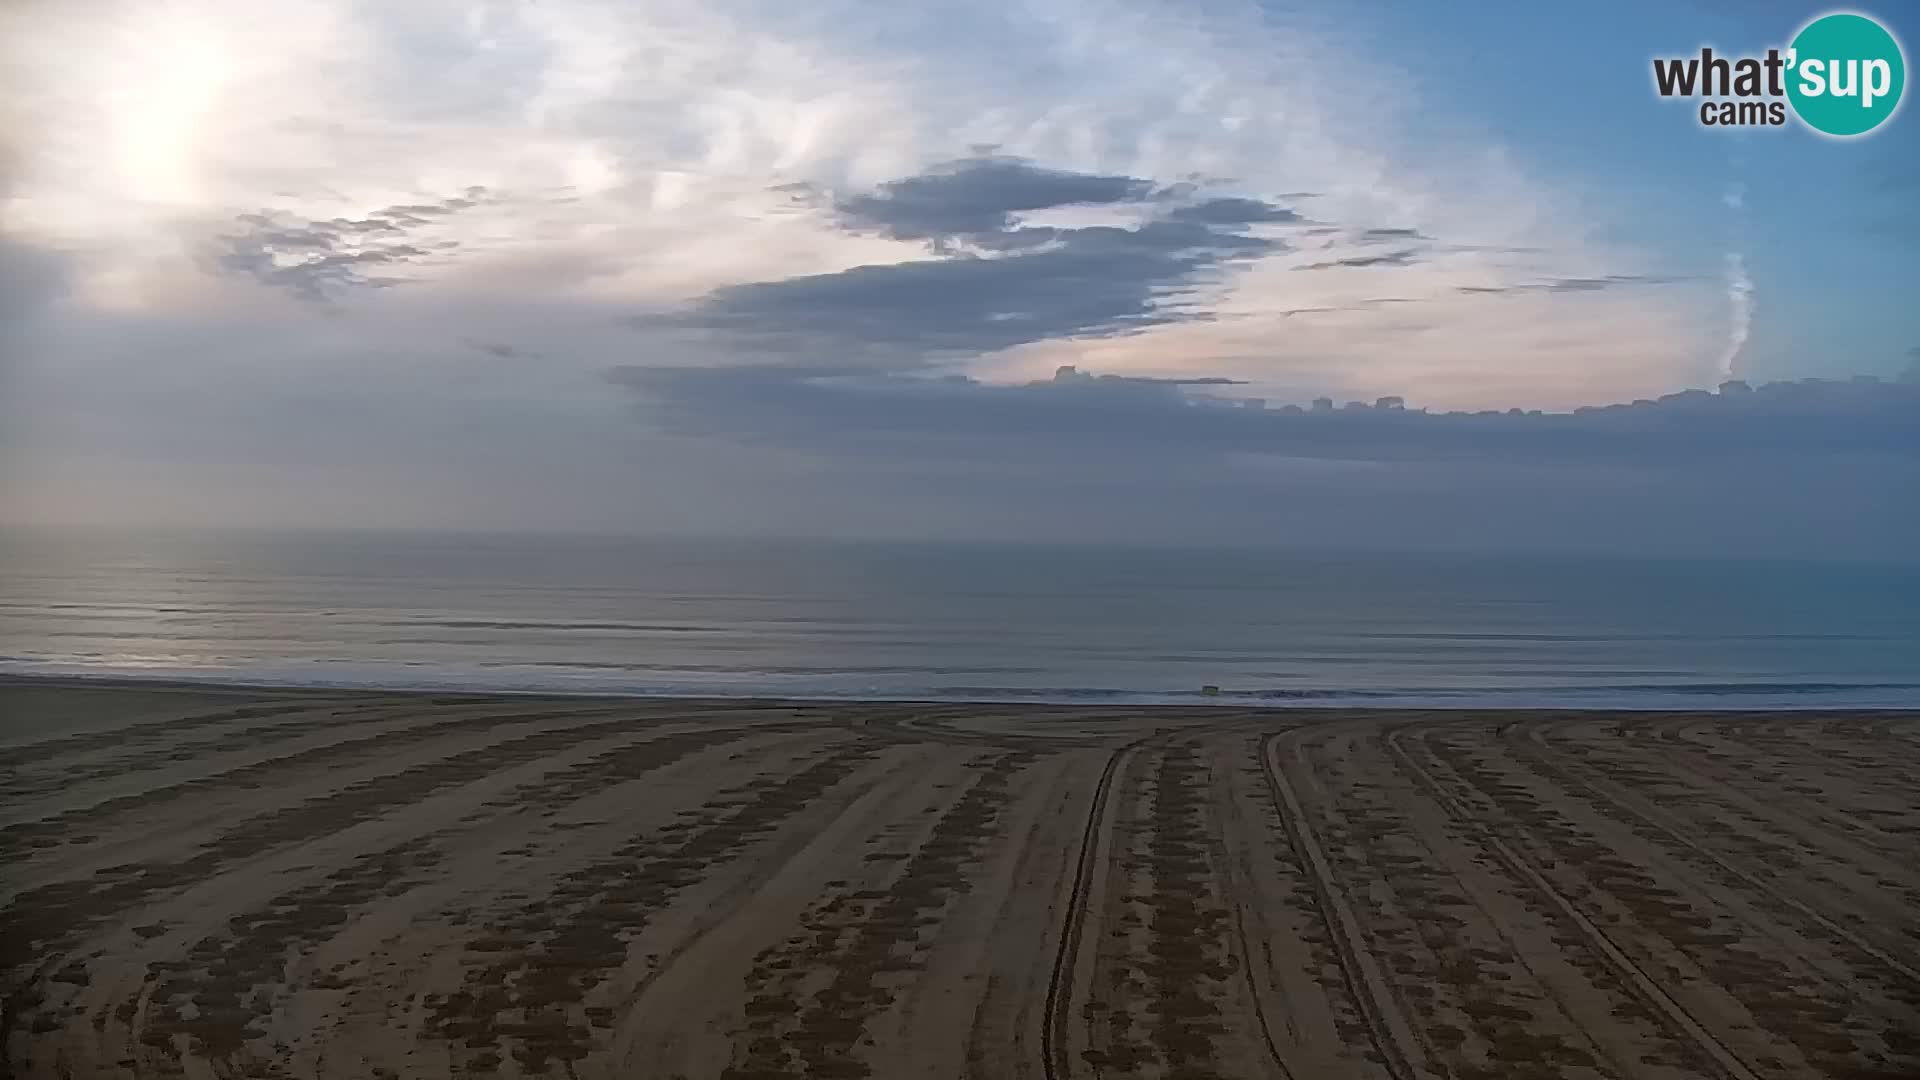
952 622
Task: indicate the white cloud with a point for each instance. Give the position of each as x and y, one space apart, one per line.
1740 312
1739 284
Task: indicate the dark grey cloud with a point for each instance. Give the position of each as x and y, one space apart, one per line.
1571 284
993 283
364 225
968 305
313 276
315 260
1071 375
1367 304
980 195
499 350
1580 284
1234 211
295 237
844 410
1405 257
858 412
1391 234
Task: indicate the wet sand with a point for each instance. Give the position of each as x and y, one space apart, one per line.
238 883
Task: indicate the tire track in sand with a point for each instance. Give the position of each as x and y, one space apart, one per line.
46 919
136 757
37 925
35 753
70 827
1054 1013
1607 790
1392 1034
1238 891
1636 978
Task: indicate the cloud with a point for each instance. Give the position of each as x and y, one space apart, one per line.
315 260
1739 284
848 411
1069 375
1610 281
1570 284
499 351
1234 210
1392 258
980 195
774 218
646 160
993 283
1740 307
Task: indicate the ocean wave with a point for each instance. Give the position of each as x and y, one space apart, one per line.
849 685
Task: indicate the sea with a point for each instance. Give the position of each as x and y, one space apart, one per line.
958 622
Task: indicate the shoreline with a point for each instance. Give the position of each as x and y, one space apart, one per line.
1692 699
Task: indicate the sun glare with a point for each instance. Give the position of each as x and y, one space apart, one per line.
166 84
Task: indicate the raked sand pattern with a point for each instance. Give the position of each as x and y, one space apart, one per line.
246 883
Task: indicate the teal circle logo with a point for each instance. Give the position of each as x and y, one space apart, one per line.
1845 74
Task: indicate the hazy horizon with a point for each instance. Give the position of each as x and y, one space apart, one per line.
1376 546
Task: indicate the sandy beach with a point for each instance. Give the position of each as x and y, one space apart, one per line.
213 882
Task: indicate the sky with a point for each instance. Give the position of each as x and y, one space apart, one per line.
1067 270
